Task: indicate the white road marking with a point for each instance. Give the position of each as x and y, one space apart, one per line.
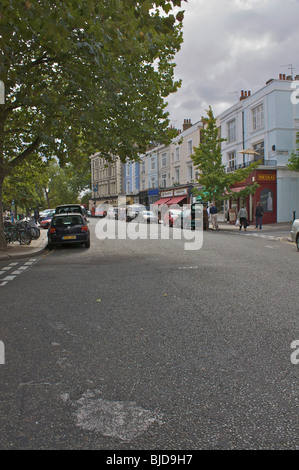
3 283
8 278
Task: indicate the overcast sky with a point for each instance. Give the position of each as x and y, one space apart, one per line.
229 46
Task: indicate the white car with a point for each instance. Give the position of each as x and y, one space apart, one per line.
147 217
295 232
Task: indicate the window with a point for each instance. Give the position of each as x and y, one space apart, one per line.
231 130
177 176
232 160
128 169
128 187
258 117
153 182
153 163
177 154
164 181
143 167
164 159
190 173
143 185
189 148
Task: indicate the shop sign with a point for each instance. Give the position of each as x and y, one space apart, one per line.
180 192
266 177
166 194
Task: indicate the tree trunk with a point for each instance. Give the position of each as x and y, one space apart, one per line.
2 235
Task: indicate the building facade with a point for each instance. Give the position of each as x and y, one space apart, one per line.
266 123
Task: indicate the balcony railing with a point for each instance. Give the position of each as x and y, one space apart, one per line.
246 164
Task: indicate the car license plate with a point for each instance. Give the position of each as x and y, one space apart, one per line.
69 237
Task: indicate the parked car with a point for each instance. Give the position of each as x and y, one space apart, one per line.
295 232
112 213
71 208
147 217
45 223
68 228
100 212
171 216
45 213
134 210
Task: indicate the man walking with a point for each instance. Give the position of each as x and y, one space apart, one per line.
259 212
243 216
213 213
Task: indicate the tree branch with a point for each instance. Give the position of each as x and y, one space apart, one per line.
20 158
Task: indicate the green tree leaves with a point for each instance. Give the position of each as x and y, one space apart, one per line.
207 158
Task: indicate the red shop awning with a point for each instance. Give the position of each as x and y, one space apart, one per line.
237 190
176 200
164 200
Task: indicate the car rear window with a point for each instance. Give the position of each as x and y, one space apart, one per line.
67 220
68 209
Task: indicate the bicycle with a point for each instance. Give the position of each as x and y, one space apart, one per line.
15 233
33 229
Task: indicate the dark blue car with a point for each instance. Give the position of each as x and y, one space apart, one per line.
68 228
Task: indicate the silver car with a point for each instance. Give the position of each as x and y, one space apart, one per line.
295 232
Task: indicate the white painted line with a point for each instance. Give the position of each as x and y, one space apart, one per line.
1 272
29 263
3 283
9 278
33 259
17 272
23 267
7 268
13 264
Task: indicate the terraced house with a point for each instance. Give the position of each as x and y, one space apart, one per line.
263 126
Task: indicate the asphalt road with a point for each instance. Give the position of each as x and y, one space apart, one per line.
142 344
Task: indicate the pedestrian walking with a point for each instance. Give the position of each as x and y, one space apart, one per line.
213 213
243 218
259 212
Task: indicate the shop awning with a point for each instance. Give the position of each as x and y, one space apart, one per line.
164 200
237 190
176 200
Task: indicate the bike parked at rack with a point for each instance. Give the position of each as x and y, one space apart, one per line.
14 232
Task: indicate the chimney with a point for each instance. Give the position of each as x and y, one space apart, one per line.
244 95
187 124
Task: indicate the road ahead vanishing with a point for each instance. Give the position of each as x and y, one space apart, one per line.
142 345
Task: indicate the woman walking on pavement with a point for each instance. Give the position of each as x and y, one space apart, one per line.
259 212
243 216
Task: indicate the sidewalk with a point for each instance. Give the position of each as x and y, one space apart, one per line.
283 227
15 250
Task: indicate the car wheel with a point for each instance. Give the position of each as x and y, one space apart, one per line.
297 242
87 244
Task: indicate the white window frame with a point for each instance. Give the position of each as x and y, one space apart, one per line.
153 163
177 154
258 117
164 180
231 130
164 160
232 159
189 148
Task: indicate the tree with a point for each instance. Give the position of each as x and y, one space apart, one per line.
294 160
215 182
89 71
22 185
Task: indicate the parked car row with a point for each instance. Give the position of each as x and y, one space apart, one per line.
66 224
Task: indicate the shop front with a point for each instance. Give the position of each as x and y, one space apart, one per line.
266 193
179 196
